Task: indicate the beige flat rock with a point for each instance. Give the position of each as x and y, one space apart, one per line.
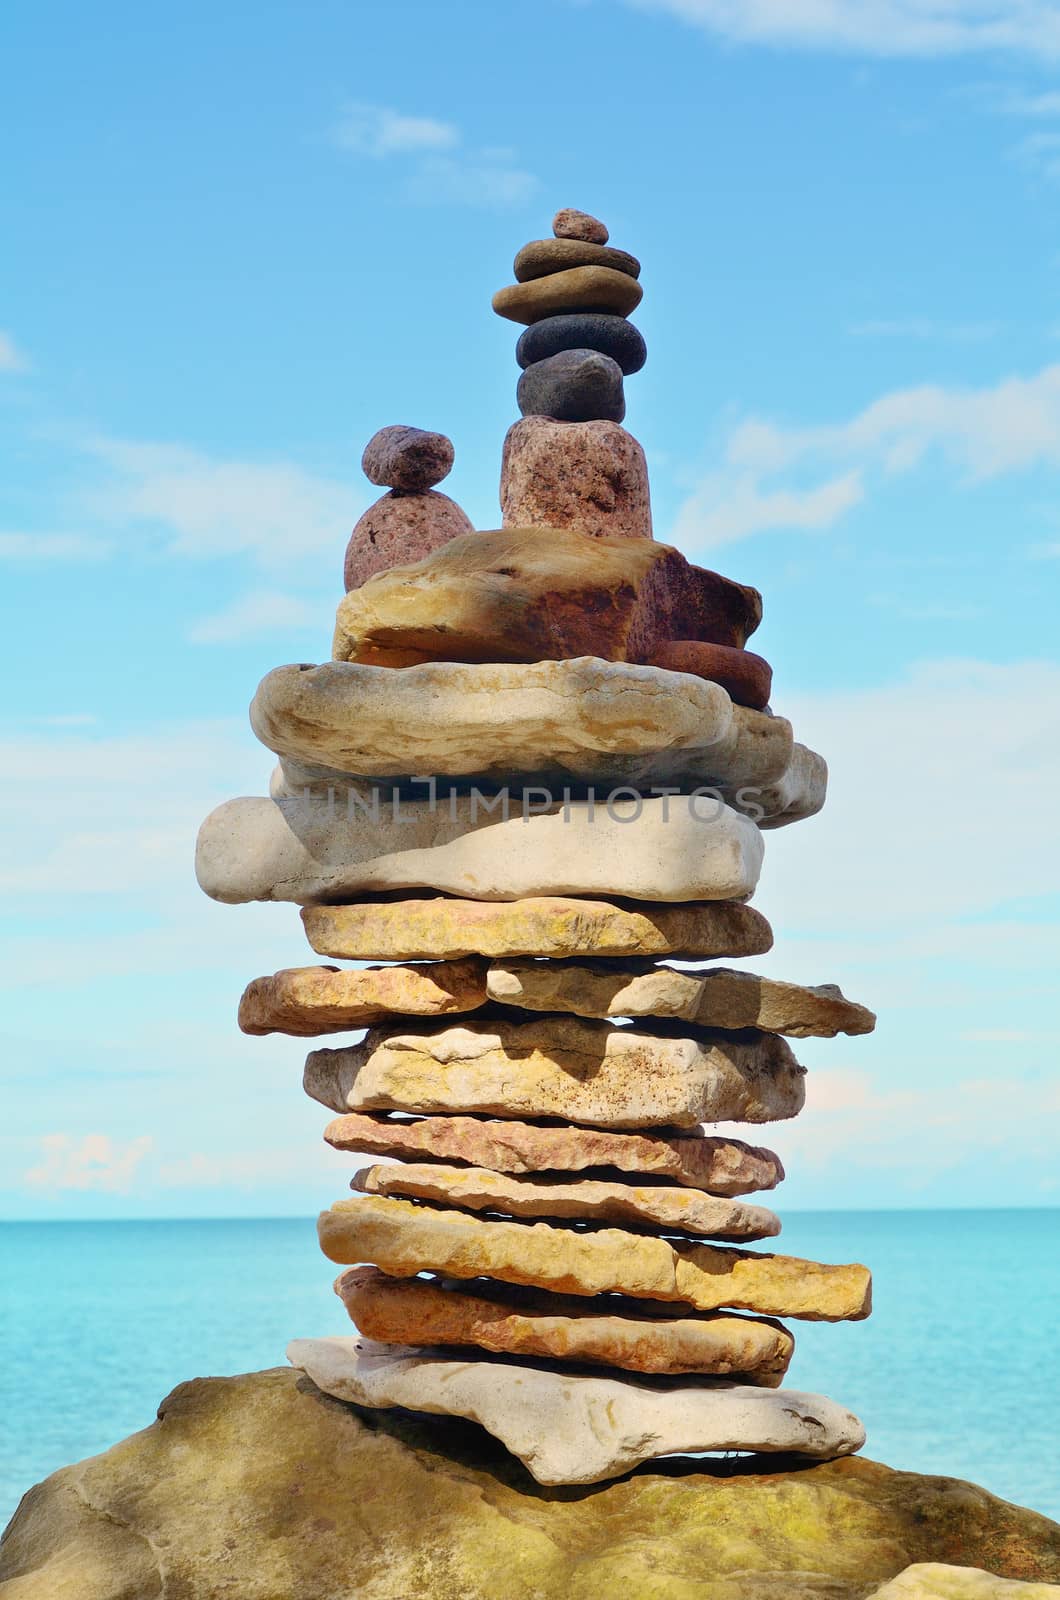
717 1166
798 793
930 1580
721 998
576 1427
541 925
404 1238
579 1071
311 1000
672 848
666 1207
527 1322
575 289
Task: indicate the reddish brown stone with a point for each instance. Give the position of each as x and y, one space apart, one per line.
400 528
571 224
572 289
542 256
747 678
588 476
407 458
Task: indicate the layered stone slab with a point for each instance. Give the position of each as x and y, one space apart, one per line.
720 998
544 925
579 1071
577 1427
702 1161
671 1208
538 594
312 1000
798 793
403 1239
614 1332
672 848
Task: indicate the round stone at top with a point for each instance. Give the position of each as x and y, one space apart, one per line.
407 459
570 224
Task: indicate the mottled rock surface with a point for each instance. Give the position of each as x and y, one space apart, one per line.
407 458
573 386
583 330
312 1000
746 678
569 223
933 1581
590 477
576 289
399 528
264 1488
717 1165
542 256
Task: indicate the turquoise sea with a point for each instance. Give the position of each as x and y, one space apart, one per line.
955 1372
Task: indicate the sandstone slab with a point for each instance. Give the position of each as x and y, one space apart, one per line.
745 677
569 223
717 1165
399 528
244 1486
720 998
543 925
590 477
539 594
671 1208
577 1427
587 330
543 256
311 1000
931 1580
409 459
508 1320
671 849
583 1072
574 289
573 386
798 793
404 1239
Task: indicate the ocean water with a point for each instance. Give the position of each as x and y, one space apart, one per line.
955 1372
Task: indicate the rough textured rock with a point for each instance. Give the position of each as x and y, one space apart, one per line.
542 256
574 1427
721 998
933 1581
585 1072
571 224
583 330
798 793
312 1000
719 1166
576 289
747 678
507 1319
407 458
404 1239
669 1207
423 930
263 1487
590 477
539 594
674 848
399 528
573 386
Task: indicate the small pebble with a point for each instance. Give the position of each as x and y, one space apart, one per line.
570 224
409 459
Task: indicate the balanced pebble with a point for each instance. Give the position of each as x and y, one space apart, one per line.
570 224
573 386
407 459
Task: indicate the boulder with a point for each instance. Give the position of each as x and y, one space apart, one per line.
262 1486
399 528
311 1000
589 477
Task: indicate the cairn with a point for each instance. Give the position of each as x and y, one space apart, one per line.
540 762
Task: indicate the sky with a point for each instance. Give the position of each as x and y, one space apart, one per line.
241 239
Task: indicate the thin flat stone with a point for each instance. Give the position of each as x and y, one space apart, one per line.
543 256
612 1332
403 1239
313 1000
576 289
720 998
543 925
584 1072
667 1207
716 1165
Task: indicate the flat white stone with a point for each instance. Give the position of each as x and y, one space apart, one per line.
674 848
574 1427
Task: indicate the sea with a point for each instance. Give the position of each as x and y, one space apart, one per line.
956 1371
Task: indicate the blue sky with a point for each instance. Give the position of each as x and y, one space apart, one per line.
240 239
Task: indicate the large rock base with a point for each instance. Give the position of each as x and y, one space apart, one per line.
261 1486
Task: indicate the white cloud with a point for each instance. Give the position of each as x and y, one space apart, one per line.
377 131
722 509
11 357
878 27
93 1162
437 168
254 1169
33 547
262 611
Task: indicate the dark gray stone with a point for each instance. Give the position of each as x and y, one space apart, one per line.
573 386
407 459
583 330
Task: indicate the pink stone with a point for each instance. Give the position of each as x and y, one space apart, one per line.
400 528
588 476
571 224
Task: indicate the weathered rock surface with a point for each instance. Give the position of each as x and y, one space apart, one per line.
747 678
543 925
583 330
932 1581
569 223
798 793
398 528
590 477
720 998
672 1208
311 1000
539 594
576 1427
717 1165
573 386
542 256
576 289
404 1239
407 458
675 848
584 1072
263 1487
507 1319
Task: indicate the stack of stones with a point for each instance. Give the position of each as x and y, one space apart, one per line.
535 769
